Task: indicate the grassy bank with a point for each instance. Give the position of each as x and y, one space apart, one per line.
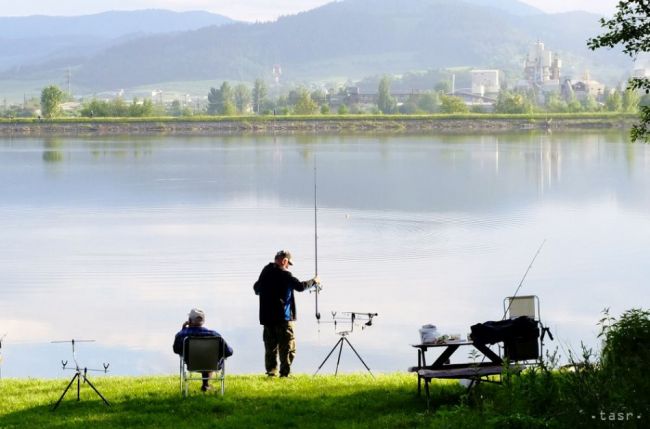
321 124
611 391
350 401
335 118
534 400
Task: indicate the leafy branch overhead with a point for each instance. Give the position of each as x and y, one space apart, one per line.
630 27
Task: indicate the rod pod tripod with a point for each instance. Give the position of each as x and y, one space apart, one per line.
339 344
79 373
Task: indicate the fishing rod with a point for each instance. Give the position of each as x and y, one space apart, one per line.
521 283
317 288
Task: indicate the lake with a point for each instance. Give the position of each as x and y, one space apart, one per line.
115 240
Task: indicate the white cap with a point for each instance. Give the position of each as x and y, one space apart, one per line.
196 316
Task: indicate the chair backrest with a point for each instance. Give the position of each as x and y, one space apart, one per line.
203 353
516 306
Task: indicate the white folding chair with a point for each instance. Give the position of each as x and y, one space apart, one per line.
203 354
527 305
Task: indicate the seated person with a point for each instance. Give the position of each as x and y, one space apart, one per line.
193 327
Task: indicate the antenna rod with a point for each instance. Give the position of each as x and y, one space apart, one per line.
316 242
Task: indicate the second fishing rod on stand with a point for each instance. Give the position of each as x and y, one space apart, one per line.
317 286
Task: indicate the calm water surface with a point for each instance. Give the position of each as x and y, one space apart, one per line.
116 239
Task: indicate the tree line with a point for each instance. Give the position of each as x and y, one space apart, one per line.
241 99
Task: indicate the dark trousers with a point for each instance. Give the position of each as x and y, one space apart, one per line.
279 342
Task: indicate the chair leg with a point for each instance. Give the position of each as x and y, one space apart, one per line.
180 376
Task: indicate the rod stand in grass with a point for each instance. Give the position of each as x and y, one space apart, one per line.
79 373
348 320
1 340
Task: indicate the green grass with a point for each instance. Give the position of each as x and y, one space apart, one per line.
545 396
349 401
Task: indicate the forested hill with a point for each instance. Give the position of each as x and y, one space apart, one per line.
353 38
43 43
513 7
110 25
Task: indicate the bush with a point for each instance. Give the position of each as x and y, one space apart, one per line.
625 359
589 392
619 382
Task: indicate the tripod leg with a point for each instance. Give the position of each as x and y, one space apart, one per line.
64 392
355 352
338 360
328 355
78 387
96 391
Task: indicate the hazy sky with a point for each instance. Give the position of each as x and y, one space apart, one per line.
247 10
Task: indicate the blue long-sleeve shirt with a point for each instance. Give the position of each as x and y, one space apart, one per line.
196 331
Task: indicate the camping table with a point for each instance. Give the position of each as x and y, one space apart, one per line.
442 362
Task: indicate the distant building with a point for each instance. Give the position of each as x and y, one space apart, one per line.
541 70
485 82
584 88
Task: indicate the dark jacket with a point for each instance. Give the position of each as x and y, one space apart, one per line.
275 288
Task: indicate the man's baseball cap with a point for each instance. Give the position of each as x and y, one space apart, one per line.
284 254
196 315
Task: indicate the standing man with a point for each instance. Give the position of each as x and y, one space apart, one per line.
275 288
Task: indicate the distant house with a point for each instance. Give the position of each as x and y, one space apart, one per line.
582 89
71 106
485 82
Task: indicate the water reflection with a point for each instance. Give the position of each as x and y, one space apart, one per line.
131 233
52 150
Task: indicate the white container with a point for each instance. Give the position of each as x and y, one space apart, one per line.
428 334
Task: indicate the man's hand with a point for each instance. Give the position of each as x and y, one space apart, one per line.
316 284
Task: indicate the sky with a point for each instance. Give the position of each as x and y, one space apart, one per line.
245 10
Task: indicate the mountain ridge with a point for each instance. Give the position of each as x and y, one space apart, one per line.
352 38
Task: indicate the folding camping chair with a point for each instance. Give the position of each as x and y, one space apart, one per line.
203 354
524 348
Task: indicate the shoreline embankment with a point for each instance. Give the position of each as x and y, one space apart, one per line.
452 124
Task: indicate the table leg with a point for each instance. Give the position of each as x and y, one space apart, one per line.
483 348
444 356
419 378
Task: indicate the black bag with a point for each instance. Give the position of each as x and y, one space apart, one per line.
508 331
